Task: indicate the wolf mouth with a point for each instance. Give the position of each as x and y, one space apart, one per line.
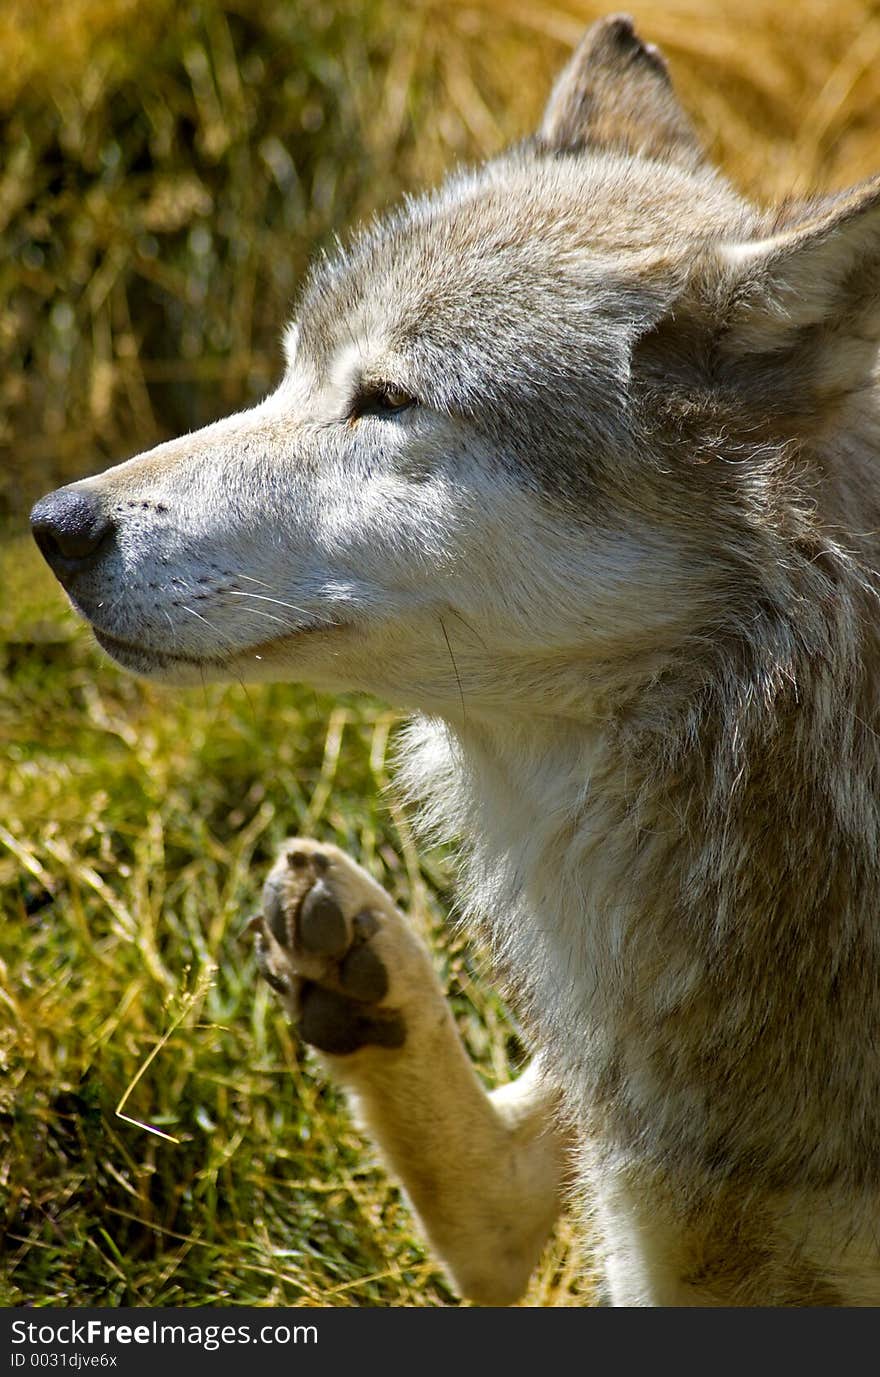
140 656
128 653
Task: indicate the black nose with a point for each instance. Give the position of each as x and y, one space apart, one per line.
69 527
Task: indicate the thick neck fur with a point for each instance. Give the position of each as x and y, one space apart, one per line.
687 883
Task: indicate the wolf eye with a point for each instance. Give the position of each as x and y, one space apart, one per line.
380 399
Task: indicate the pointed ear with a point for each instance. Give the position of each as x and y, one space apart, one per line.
615 94
804 309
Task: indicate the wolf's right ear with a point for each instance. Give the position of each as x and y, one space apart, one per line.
616 95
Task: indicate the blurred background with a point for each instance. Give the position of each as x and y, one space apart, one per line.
167 168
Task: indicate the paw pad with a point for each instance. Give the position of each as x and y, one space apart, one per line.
322 926
324 965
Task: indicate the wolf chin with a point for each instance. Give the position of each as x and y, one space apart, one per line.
576 458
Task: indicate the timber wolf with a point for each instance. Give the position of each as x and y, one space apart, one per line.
576 458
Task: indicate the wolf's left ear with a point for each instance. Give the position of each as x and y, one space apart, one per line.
803 314
616 95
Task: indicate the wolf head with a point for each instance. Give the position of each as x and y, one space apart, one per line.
537 430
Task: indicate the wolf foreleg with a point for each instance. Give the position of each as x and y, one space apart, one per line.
483 1171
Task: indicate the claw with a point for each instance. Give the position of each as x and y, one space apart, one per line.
273 909
253 924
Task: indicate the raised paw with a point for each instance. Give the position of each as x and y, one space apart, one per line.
331 943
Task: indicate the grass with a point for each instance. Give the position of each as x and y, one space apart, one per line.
167 170
137 827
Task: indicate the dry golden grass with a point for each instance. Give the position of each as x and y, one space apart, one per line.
166 171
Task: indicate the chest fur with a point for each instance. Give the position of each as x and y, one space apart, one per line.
669 962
